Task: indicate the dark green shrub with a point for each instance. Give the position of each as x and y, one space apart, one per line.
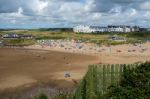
41 96
134 84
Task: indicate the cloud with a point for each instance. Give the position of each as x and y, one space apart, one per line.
68 13
145 5
7 6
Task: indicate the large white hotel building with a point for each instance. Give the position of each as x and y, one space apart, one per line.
93 29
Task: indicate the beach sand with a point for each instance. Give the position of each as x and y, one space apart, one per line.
119 54
23 68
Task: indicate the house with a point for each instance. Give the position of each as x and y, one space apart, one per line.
26 36
16 36
11 36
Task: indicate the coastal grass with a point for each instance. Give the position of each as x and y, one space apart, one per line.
18 42
96 38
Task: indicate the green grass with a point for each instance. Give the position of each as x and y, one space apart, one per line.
100 39
19 42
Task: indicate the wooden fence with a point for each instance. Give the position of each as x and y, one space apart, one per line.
98 78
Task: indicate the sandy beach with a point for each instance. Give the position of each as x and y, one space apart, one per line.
23 68
119 54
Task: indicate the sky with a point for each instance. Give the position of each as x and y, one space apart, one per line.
69 13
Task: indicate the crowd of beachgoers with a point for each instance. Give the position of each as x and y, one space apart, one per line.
88 48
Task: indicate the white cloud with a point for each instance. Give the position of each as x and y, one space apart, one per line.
145 5
72 12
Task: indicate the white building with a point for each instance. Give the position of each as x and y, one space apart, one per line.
148 29
98 29
112 28
82 28
115 29
135 29
123 29
89 29
127 29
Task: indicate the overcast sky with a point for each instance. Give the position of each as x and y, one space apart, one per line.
69 13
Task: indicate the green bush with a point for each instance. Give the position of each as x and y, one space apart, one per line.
134 84
19 41
41 96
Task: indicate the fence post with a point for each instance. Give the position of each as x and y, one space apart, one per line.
112 74
121 70
104 80
117 73
99 81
